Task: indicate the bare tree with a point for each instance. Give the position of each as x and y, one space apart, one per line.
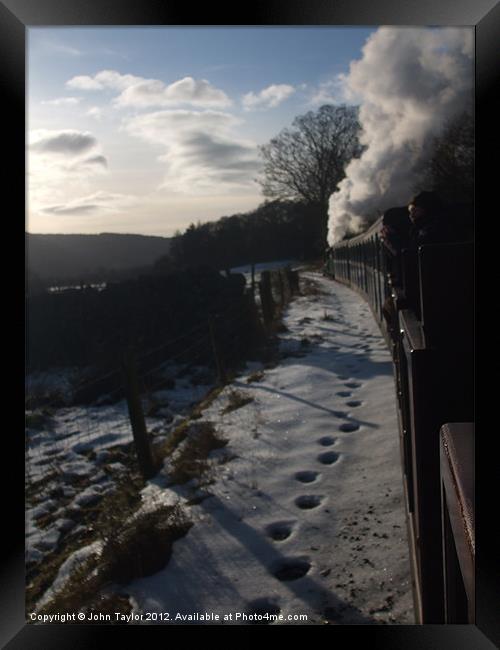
307 161
450 169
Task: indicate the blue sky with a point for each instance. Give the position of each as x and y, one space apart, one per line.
146 130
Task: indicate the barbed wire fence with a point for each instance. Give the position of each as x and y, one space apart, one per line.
106 431
96 417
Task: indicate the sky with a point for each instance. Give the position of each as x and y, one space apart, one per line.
146 130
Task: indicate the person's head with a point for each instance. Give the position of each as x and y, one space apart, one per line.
424 204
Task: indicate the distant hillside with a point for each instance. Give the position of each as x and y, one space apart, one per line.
90 257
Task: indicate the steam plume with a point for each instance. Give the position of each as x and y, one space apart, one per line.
409 82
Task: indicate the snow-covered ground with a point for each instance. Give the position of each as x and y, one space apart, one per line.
305 516
72 453
264 266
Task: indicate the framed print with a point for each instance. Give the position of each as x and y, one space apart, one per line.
106 145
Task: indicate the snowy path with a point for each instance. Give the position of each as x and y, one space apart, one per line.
307 515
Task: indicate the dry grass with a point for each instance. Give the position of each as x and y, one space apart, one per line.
206 402
125 498
175 437
38 420
236 400
167 447
310 288
191 459
111 604
135 544
34 489
255 376
141 546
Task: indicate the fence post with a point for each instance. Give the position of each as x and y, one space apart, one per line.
287 290
141 441
221 374
266 297
281 287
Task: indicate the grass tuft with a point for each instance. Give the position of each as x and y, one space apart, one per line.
236 401
255 376
191 459
141 546
310 288
37 420
135 544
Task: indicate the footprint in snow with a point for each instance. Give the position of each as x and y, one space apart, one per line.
261 607
291 569
353 403
328 458
308 501
280 530
352 384
344 393
348 427
326 441
307 477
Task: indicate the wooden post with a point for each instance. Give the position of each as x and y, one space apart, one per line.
253 278
281 287
141 441
221 374
266 297
287 291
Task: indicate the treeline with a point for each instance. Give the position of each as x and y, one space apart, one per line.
90 327
450 169
275 230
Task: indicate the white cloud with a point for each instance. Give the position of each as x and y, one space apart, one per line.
95 112
99 161
139 92
164 127
61 164
83 82
196 92
202 154
105 79
68 143
62 101
269 97
116 80
97 202
333 91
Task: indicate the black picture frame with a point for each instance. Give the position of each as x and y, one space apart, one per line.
15 17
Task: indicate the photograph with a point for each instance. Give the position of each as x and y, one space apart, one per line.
249 386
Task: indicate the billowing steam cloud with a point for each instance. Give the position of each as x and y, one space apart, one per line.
410 82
